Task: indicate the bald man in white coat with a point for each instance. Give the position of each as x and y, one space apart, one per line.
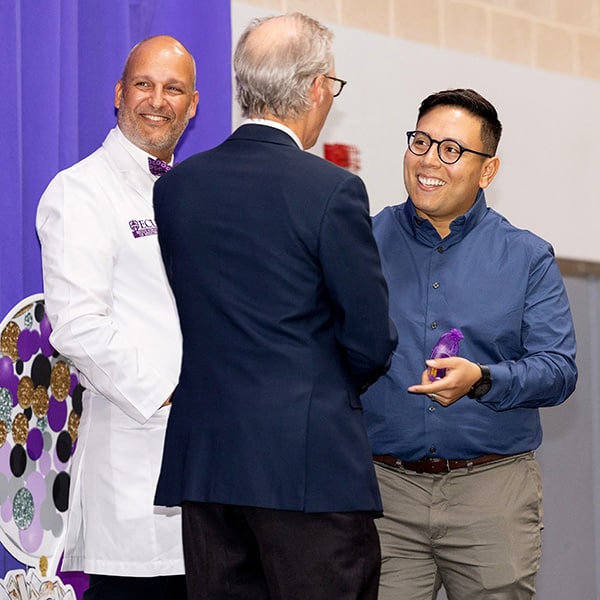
113 315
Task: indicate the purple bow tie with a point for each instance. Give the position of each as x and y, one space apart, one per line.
157 166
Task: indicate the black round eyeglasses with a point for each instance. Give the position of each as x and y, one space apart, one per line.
448 150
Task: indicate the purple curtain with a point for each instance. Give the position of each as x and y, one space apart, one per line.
59 62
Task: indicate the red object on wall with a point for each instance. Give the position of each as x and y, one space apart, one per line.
343 155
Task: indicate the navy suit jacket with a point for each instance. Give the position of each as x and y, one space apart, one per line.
284 314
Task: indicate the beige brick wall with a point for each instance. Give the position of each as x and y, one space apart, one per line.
557 35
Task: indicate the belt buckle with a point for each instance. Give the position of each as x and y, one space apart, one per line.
444 464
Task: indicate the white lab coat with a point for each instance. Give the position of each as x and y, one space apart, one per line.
113 315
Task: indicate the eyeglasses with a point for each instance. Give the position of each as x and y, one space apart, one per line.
338 85
449 151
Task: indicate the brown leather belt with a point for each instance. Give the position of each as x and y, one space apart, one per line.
437 465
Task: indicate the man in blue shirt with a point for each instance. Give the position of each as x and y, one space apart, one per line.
454 455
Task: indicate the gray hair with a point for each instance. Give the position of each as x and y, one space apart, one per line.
274 73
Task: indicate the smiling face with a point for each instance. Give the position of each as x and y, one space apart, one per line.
156 96
442 192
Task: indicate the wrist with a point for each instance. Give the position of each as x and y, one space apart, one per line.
483 385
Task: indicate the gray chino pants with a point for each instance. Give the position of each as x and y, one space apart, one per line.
476 531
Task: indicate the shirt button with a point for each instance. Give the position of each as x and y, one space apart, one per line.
432 450
435 285
440 249
431 409
434 325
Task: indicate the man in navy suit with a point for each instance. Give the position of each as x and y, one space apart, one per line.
284 315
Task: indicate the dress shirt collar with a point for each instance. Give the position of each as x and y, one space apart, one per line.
140 156
276 125
424 231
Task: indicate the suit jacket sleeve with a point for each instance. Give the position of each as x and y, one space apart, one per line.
356 285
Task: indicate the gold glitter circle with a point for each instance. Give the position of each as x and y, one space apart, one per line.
3 432
43 565
8 340
73 425
25 391
20 428
40 401
60 380
22 311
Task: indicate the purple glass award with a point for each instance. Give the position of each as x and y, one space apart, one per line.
446 346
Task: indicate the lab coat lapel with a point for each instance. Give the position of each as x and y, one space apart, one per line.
134 176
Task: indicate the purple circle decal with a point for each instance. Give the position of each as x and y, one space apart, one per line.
57 414
28 344
45 330
35 443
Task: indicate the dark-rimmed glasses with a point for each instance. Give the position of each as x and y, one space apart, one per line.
449 151
338 85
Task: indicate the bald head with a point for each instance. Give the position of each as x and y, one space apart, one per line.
273 35
157 45
156 95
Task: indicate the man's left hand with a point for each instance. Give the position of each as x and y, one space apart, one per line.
460 376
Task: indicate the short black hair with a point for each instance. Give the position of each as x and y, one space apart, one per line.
477 105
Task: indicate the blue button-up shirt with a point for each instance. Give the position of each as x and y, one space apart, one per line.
502 288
